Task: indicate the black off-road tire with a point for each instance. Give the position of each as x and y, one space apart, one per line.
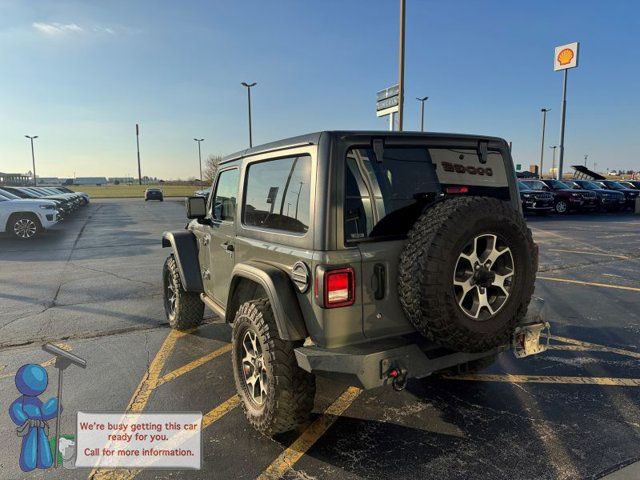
290 391
17 232
188 310
427 265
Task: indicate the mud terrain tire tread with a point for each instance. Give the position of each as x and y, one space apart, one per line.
189 311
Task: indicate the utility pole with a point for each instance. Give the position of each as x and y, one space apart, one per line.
422 100
138 147
553 165
33 159
544 125
401 66
249 85
585 159
199 155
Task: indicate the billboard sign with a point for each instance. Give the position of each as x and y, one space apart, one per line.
387 101
566 56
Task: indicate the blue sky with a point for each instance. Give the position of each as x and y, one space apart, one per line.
80 74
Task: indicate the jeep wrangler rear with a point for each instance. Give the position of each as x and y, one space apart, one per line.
367 257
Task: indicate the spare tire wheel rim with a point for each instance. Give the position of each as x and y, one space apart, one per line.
483 277
25 228
253 367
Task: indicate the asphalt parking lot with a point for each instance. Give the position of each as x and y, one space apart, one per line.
571 413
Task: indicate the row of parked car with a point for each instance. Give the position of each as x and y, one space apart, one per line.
545 196
27 211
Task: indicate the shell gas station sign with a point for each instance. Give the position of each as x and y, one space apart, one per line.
566 56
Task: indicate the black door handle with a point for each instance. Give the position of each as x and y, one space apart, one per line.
227 247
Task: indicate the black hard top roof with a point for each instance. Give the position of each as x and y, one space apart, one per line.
314 139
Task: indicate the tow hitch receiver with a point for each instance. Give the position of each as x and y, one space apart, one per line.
531 339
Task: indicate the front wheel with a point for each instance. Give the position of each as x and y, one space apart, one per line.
24 226
277 395
184 309
561 207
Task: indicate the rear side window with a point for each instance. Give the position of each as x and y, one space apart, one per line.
383 199
277 194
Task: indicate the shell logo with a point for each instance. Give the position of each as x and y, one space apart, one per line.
565 56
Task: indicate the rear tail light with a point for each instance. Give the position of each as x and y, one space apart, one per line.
335 288
458 189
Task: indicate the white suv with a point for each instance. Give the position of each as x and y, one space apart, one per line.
25 218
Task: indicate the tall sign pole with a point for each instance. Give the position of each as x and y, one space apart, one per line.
401 66
566 57
138 148
544 125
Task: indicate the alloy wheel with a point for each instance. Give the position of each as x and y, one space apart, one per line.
483 276
253 367
25 228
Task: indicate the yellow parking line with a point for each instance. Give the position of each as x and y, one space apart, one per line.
220 411
508 378
595 346
624 257
592 284
191 365
312 433
141 396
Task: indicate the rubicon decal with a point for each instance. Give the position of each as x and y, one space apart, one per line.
469 169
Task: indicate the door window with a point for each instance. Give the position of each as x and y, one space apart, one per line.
224 201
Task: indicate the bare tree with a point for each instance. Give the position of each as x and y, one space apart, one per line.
211 167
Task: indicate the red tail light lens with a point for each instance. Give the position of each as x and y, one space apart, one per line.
338 288
459 189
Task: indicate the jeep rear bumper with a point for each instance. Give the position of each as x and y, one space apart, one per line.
374 364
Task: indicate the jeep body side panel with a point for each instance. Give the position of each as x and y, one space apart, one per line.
277 285
185 250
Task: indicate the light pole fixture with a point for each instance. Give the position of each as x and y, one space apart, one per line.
553 165
249 85
199 155
33 159
544 124
422 100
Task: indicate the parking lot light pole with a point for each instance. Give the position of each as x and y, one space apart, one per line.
138 149
585 159
553 165
199 155
249 85
422 100
401 66
33 159
544 124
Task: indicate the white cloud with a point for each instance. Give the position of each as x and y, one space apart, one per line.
57 28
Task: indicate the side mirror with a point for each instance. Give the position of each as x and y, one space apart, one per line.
196 207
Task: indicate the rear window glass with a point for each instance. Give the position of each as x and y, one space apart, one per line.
277 194
382 199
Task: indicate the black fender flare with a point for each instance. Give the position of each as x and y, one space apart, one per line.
280 291
185 250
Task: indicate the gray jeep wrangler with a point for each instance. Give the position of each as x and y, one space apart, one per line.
367 257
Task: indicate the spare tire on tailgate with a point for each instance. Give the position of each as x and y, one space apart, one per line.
467 273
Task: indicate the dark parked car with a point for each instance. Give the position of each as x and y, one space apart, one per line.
635 184
153 194
608 200
537 201
630 194
565 198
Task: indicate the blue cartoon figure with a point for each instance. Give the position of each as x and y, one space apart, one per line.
31 415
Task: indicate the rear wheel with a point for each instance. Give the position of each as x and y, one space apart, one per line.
184 309
277 395
24 226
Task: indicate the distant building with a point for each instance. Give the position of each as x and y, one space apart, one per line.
89 181
122 180
15 179
51 181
